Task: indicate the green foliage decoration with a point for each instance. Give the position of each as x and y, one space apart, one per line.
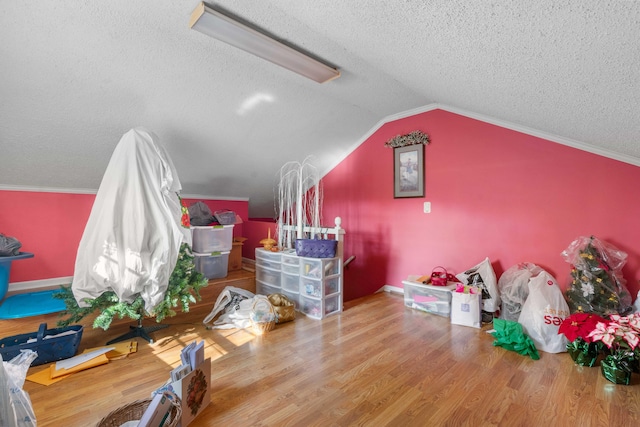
184 289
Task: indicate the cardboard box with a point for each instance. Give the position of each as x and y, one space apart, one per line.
235 257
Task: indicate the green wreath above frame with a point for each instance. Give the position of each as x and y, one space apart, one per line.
414 138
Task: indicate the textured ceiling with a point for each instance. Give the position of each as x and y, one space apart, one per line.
76 75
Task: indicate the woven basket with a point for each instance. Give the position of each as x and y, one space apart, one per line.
316 248
283 307
134 411
263 316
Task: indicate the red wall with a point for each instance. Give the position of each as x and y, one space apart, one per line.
494 193
50 225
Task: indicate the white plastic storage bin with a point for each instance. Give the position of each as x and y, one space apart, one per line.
311 307
212 266
290 282
290 259
212 238
264 289
320 308
332 305
290 268
317 288
319 267
429 298
265 256
268 276
273 265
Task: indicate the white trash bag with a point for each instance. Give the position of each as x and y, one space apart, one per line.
15 405
543 312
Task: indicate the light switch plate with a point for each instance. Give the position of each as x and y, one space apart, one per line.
427 207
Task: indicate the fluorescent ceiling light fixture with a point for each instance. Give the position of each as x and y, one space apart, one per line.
214 24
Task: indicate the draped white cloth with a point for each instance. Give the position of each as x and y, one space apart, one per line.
131 242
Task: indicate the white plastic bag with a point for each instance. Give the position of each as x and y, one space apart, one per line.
228 301
239 317
483 277
15 405
543 312
513 286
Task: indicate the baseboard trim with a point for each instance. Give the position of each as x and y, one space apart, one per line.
56 282
391 289
37 285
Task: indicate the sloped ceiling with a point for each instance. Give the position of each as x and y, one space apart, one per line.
76 75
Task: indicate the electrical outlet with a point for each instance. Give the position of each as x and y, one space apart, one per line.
427 207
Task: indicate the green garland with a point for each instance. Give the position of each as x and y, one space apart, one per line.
184 289
414 138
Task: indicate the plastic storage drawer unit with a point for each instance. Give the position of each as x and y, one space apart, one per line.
268 276
317 288
212 266
290 259
263 255
318 308
319 267
264 289
429 298
290 282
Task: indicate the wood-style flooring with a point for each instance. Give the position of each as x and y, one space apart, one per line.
378 363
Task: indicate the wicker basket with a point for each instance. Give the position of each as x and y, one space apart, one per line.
134 411
316 248
263 316
283 307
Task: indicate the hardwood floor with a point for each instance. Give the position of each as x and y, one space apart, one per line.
378 363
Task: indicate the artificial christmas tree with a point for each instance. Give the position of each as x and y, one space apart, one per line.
597 285
184 289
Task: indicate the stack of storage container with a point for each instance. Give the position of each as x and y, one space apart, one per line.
313 284
211 247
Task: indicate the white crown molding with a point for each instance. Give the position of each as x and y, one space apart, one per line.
491 120
89 191
203 197
544 135
47 189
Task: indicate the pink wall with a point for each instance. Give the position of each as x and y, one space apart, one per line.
50 225
494 193
256 230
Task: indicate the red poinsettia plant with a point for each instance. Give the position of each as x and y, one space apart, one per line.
579 326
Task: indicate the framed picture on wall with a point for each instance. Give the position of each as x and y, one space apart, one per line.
408 171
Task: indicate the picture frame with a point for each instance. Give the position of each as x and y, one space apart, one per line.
408 171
